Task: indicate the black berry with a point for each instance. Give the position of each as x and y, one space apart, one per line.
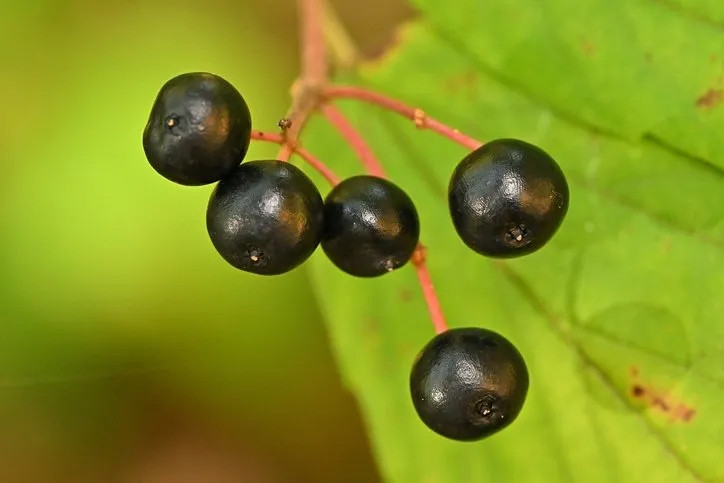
371 226
507 198
266 217
199 129
468 383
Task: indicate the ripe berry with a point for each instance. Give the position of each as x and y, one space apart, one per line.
507 198
266 217
468 383
198 131
371 226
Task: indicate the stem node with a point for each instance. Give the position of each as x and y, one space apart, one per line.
310 93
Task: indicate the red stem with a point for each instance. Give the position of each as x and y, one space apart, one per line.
355 140
313 77
312 80
318 165
285 152
428 290
418 116
311 160
314 52
374 167
267 137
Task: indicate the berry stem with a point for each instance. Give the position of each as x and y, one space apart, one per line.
307 89
318 165
374 167
337 119
308 158
285 152
314 53
428 290
418 116
267 137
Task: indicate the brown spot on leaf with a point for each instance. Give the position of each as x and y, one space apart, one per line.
588 47
371 332
405 295
710 99
686 414
660 401
463 81
666 245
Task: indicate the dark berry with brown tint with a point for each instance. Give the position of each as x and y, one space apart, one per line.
507 198
371 226
468 383
199 129
266 217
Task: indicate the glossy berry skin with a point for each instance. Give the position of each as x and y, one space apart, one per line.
371 226
199 129
266 217
468 383
507 198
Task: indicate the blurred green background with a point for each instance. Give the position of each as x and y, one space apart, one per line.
129 351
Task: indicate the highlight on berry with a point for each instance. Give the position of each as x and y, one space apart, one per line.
371 226
266 217
507 198
199 129
468 383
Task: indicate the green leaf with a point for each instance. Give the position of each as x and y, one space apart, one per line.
619 316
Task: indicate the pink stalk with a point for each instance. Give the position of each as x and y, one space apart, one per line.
313 76
311 160
285 152
418 116
374 167
314 52
428 290
318 165
354 139
306 99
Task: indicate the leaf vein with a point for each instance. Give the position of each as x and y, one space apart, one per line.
567 116
553 322
689 13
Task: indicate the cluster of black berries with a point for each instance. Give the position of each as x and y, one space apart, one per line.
267 217
507 198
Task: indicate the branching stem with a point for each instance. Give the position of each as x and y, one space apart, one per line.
374 167
307 89
308 158
310 93
418 116
366 156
